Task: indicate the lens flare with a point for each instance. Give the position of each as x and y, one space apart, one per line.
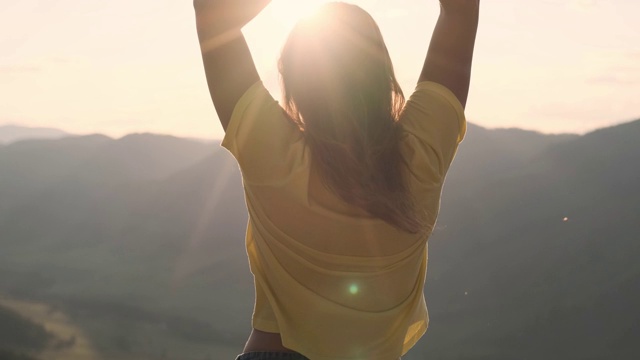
353 289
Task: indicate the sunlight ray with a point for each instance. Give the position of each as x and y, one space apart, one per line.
288 12
188 262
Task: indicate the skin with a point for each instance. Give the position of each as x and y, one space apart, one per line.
450 54
230 69
228 64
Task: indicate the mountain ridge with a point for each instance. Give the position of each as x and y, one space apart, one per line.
508 277
10 133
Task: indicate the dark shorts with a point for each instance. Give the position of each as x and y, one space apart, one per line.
269 355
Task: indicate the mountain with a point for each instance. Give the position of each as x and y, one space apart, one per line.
21 334
12 133
548 251
30 166
140 241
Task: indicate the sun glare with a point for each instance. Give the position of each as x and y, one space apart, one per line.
288 12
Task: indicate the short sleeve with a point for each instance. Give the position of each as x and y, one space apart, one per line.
435 124
267 145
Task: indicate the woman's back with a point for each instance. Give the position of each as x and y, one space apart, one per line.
323 266
343 184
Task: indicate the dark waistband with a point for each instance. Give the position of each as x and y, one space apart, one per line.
271 355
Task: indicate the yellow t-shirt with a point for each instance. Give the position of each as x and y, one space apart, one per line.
335 282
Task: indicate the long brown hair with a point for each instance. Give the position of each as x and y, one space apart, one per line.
339 86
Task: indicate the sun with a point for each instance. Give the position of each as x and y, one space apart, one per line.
288 12
269 31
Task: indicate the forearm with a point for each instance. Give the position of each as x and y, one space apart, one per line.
460 7
212 36
228 64
215 17
451 50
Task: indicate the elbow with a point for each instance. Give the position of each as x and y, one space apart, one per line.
208 19
204 7
198 5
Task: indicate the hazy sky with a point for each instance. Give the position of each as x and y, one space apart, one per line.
131 66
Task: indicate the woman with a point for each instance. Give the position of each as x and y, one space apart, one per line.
342 184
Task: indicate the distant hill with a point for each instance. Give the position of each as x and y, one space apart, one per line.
547 250
12 133
11 355
19 334
534 255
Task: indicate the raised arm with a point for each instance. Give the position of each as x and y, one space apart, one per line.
451 51
227 60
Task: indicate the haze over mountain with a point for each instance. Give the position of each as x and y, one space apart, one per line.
140 241
13 133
